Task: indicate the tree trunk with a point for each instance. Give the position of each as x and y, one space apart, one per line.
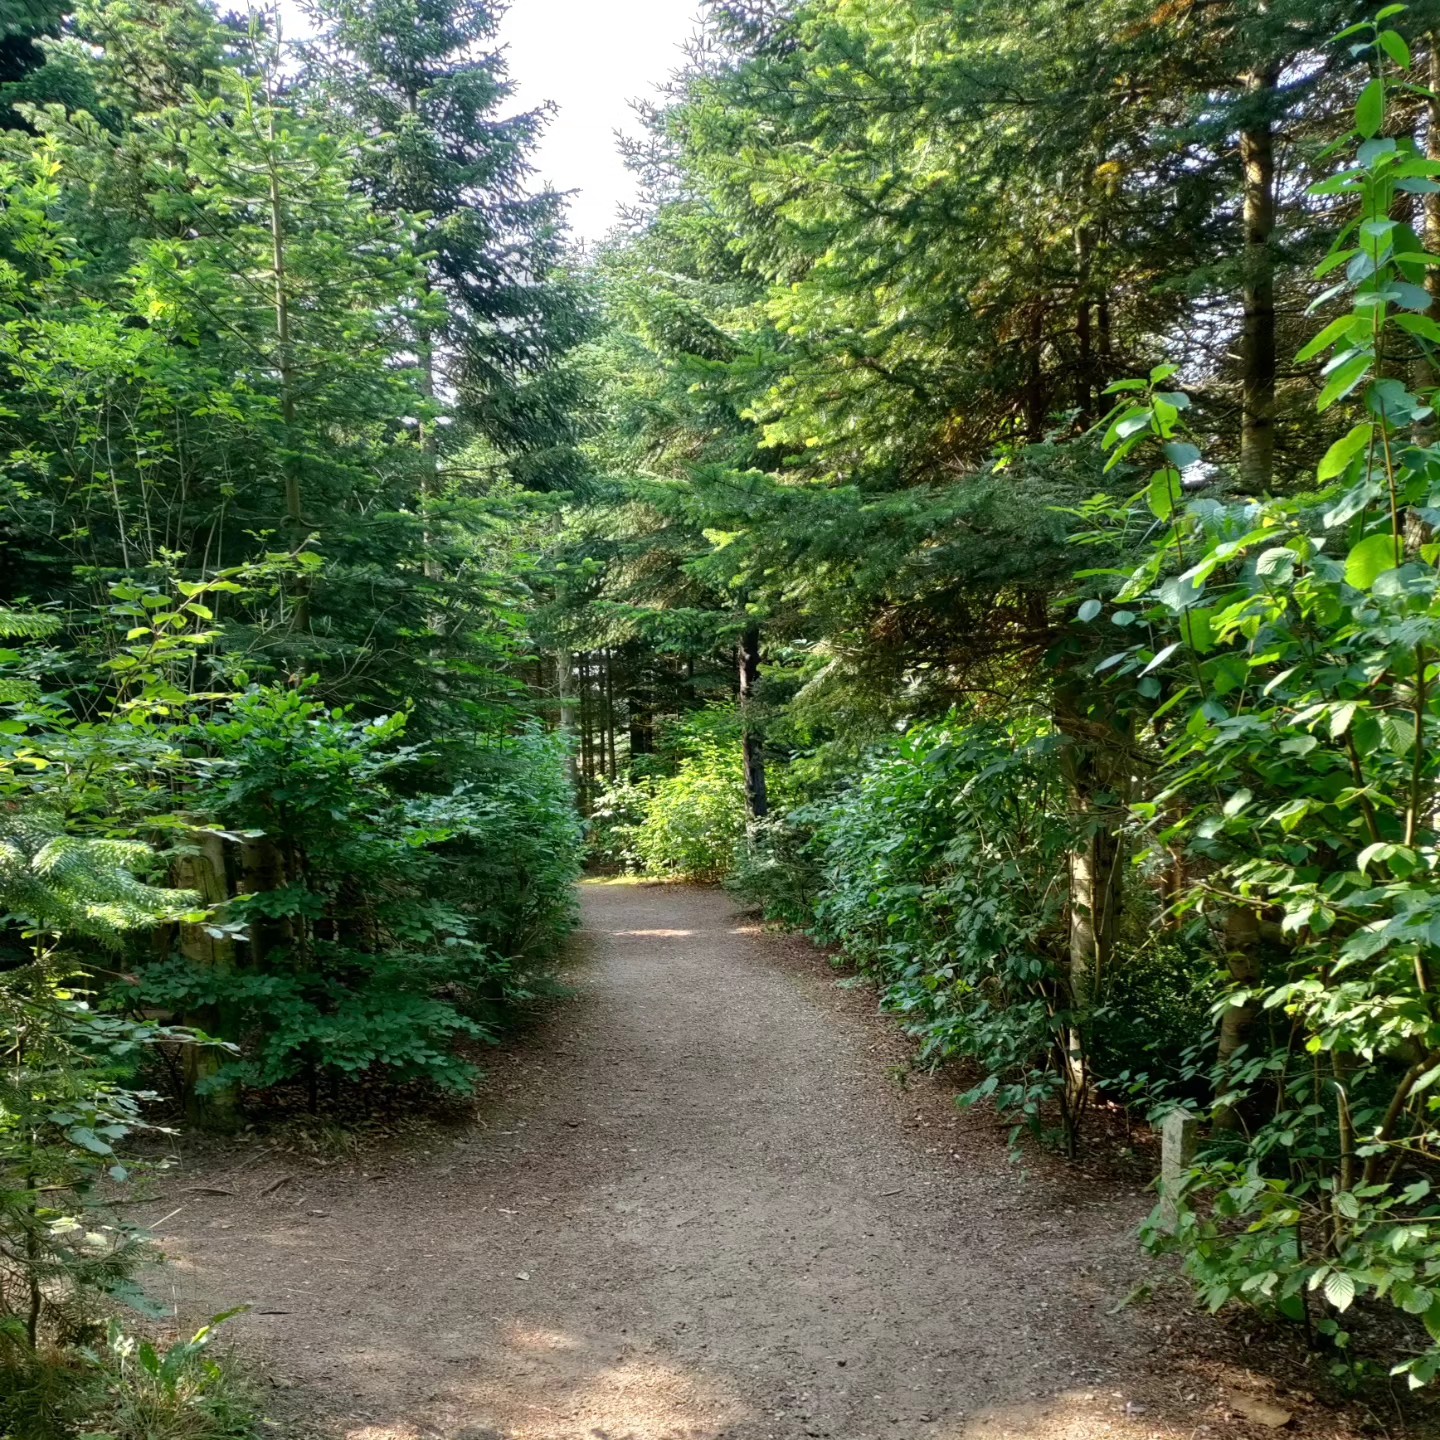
429 449
1257 341
1035 380
285 366
613 767
1243 956
214 1107
1097 771
1431 235
756 800
642 724
1084 331
587 746
1424 379
565 693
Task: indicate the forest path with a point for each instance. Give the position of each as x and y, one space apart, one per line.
694 1206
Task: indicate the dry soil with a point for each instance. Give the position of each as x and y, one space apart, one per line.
698 1205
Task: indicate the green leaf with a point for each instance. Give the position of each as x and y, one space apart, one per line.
1335 330
1370 109
1421 326
1196 628
1369 560
1089 610
1163 492
1339 1289
1343 379
83 1136
1343 451
1393 44
1161 657
1411 296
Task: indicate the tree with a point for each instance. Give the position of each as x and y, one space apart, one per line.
422 82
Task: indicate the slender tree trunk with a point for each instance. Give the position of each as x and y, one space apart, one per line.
285 365
1431 234
1084 334
1257 341
637 705
1245 962
756 799
565 693
1035 380
213 1107
262 869
429 448
1424 378
1085 362
1097 765
614 768
587 754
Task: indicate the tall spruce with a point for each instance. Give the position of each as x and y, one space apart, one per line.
423 81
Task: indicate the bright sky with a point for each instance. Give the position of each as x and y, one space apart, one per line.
591 58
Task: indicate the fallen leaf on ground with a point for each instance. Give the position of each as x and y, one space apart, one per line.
1252 1407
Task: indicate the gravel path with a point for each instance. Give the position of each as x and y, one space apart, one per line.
695 1207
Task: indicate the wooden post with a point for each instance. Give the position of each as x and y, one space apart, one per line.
1177 1154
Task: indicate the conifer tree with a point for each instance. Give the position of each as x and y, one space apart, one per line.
423 82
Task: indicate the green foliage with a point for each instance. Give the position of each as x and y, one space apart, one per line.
68 884
613 826
229 581
1291 647
1173 841
373 924
936 880
694 820
127 1388
778 869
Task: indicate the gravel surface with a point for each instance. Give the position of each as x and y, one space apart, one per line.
697 1205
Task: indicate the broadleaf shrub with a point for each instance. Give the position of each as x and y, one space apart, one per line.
378 932
694 820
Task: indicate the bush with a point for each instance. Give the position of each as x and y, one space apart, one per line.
1151 1033
778 870
694 824
617 816
937 882
505 845
126 1388
375 932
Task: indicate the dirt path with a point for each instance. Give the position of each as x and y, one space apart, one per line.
697 1209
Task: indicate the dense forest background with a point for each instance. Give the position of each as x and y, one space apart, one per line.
980 506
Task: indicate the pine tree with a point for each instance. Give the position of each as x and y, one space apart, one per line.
422 81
